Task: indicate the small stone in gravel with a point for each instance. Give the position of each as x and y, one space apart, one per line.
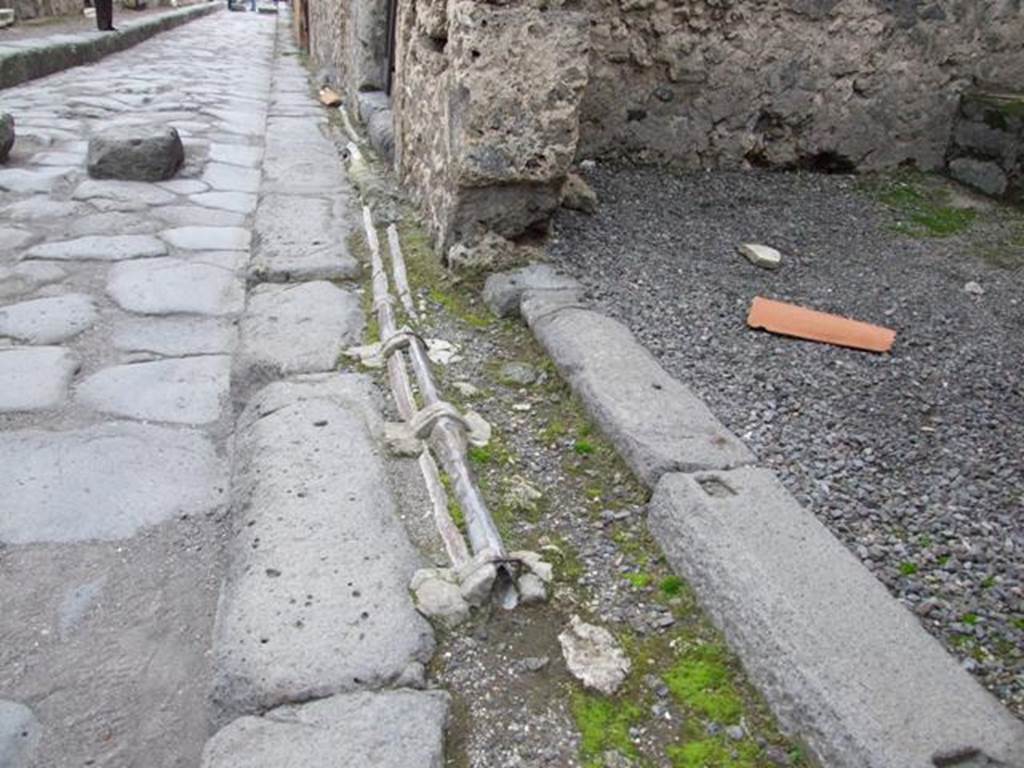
6 135
521 374
577 195
442 352
479 429
439 598
761 255
973 288
536 663
466 389
400 440
135 153
593 656
531 589
520 496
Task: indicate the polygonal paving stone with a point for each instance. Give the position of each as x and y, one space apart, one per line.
208 238
239 202
197 216
176 336
49 320
188 390
28 276
105 481
165 286
127 191
33 379
232 178
40 207
303 238
184 186
11 239
236 154
100 248
20 180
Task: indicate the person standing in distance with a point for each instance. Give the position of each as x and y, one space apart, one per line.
105 15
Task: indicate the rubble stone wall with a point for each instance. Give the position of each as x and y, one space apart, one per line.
329 25
816 83
38 9
987 151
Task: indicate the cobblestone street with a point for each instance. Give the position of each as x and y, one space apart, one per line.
119 307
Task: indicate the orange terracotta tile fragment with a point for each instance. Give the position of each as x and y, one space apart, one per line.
791 320
329 97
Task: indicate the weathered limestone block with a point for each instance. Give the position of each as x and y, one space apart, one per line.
6 135
136 153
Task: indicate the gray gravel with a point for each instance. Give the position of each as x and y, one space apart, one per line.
915 459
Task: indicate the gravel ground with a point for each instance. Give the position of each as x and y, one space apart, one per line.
915 459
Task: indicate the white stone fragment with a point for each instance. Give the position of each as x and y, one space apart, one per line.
593 656
761 255
479 429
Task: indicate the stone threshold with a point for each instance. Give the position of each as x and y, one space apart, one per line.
843 665
44 56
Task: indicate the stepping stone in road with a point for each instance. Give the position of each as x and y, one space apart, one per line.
208 238
104 482
35 378
302 238
135 153
49 320
100 248
166 286
186 390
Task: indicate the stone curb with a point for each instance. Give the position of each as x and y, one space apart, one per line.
843 665
45 57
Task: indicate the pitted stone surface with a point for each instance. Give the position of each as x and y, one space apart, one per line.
35 378
100 248
188 390
19 734
391 729
300 328
136 152
656 423
176 336
165 286
311 467
208 238
842 663
303 238
105 481
48 321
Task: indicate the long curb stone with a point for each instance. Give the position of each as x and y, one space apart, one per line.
394 729
316 600
657 423
45 58
841 662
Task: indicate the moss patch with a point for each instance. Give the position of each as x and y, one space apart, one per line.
702 681
604 726
705 753
921 204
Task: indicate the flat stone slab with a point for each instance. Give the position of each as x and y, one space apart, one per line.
19 734
27 276
11 238
316 601
48 321
237 202
138 192
35 378
105 482
237 154
842 663
176 336
40 207
25 181
299 328
657 424
392 729
198 216
232 178
303 238
188 390
100 248
166 286
208 238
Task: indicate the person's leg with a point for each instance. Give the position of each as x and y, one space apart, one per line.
105 15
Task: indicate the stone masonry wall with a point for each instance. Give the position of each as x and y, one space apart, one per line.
329 24
819 83
987 150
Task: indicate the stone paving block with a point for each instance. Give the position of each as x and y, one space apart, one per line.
19 734
197 215
35 378
188 390
655 422
237 154
99 248
105 482
48 321
208 238
393 729
316 600
138 192
41 207
184 186
232 178
165 286
300 328
303 238
239 202
31 181
176 336
12 238
841 662
28 276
